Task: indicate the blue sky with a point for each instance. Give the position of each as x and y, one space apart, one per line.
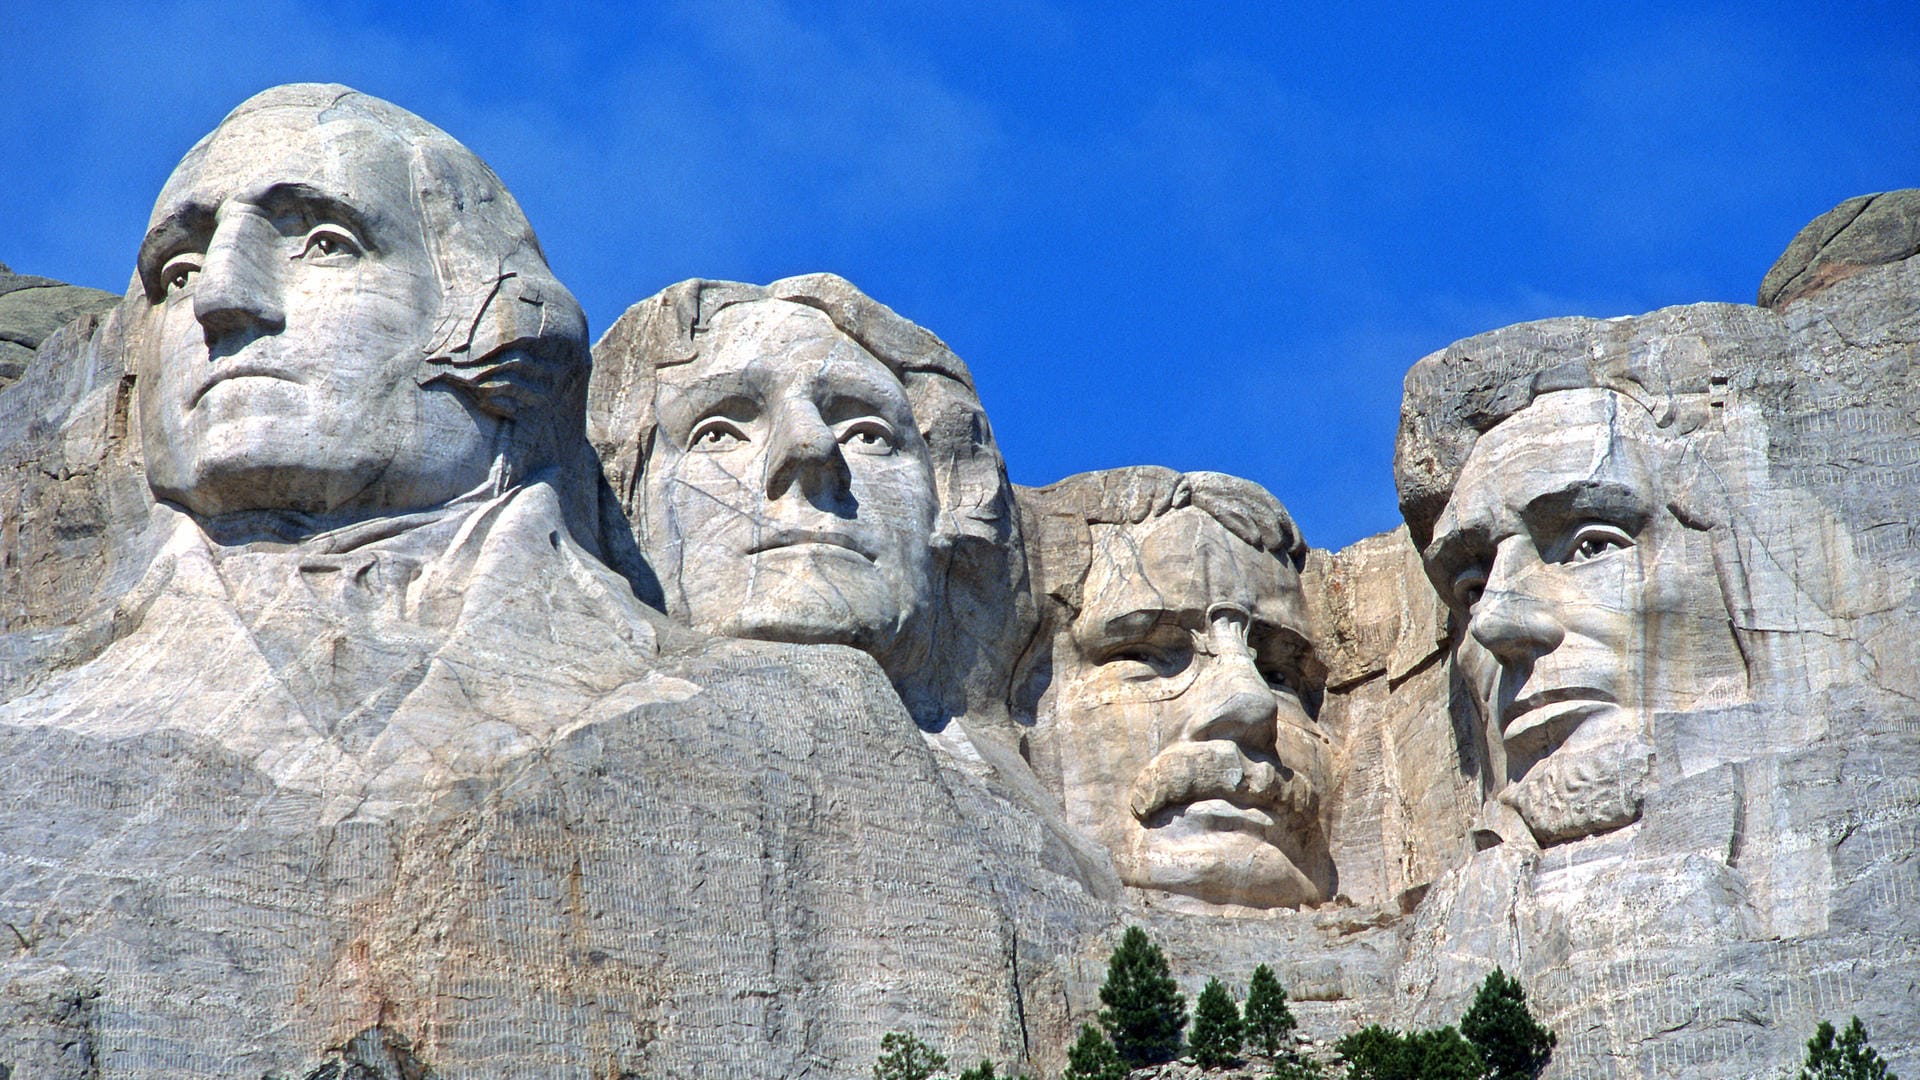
1200 237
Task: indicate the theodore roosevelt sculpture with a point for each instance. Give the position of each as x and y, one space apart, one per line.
1172 684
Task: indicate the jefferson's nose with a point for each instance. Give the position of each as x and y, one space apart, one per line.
239 286
1513 623
1235 702
802 452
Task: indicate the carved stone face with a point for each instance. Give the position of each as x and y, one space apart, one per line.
291 295
789 495
1182 741
1589 605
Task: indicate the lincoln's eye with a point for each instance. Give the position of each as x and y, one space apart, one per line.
1468 585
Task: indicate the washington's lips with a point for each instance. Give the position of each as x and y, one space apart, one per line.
1534 711
777 539
239 369
1217 770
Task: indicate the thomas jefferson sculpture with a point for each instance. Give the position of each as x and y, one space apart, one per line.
802 464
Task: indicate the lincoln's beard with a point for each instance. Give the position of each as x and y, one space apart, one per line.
1571 794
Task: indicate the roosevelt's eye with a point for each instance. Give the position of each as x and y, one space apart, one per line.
867 435
1593 540
1468 584
329 242
715 433
179 272
1147 660
1280 681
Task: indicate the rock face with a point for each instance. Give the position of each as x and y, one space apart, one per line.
1677 549
713 709
31 309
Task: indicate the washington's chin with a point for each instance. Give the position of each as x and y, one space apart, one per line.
1218 853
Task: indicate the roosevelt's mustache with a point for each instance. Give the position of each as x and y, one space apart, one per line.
1217 769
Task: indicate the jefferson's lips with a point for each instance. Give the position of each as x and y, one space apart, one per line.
786 538
1537 710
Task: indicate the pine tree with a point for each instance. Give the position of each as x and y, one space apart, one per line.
903 1057
1849 1058
982 1071
1269 1023
1144 1009
1215 1041
1376 1053
1093 1058
1444 1055
1511 1042
1296 1066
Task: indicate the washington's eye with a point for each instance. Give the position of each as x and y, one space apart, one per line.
715 433
1468 584
1593 540
329 240
180 271
867 435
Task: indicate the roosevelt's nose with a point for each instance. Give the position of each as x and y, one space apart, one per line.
1235 702
239 286
802 453
1510 620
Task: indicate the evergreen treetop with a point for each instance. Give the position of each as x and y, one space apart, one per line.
1512 1043
1215 1041
1093 1058
1850 1057
1268 1022
904 1057
1145 1010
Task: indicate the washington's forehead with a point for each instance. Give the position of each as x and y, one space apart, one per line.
349 159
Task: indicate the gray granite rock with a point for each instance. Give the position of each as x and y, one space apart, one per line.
365 753
32 308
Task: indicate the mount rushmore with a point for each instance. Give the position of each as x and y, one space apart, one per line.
387 668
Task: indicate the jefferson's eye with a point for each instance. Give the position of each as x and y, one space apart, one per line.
715 433
1468 584
867 435
329 240
179 272
1593 540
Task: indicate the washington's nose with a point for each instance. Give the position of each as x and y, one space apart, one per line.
1512 623
1235 701
239 289
802 452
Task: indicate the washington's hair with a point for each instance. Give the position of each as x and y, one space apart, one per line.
508 333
